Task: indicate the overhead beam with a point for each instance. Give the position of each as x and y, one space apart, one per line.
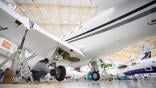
61 6
58 24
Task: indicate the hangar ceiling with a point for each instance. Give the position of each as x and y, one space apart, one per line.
61 16
56 16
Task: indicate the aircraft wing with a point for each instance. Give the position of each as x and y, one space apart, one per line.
38 40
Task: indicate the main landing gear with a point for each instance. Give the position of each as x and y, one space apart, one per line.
59 73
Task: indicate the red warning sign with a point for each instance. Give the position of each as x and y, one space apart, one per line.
6 44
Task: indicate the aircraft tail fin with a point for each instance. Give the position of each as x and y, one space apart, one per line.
146 56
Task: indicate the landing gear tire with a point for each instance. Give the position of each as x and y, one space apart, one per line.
60 73
95 76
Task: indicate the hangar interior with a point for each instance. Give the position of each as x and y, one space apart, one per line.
60 17
65 15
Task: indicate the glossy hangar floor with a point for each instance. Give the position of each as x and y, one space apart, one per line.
87 84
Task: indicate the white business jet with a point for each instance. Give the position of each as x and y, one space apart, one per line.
120 25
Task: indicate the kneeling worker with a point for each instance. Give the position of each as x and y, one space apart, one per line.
40 69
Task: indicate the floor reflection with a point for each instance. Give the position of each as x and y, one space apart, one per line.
87 84
94 85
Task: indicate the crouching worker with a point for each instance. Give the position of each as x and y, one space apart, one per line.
40 69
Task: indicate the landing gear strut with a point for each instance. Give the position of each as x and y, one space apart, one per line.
59 72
